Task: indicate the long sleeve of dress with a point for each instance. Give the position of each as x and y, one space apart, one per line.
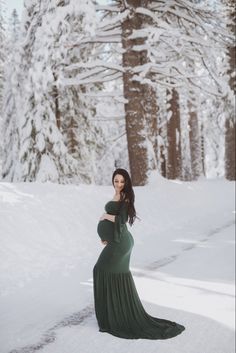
120 222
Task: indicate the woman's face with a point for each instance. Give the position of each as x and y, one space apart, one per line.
119 182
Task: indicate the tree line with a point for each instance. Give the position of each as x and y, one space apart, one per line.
145 85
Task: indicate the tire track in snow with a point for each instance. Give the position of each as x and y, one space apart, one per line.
49 336
147 270
166 260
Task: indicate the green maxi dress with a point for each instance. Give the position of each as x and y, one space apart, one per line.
118 308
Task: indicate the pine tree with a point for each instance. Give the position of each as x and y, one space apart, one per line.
82 137
10 129
47 151
2 75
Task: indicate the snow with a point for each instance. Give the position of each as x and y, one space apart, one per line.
182 264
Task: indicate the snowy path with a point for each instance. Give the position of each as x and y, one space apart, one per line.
182 264
202 335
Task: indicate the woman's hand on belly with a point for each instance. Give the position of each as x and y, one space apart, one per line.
107 216
102 217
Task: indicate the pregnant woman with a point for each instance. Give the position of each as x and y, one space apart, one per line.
118 308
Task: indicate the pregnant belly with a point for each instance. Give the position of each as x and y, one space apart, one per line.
105 230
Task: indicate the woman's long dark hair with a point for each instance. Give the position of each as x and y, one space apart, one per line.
127 193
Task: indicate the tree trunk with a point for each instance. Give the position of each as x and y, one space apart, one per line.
162 155
140 109
230 135
202 139
72 143
194 140
55 95
151 125
173 138
230 125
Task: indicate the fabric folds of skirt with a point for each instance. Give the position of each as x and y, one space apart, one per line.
120 312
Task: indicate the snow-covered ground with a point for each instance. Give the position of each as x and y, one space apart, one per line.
182 264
